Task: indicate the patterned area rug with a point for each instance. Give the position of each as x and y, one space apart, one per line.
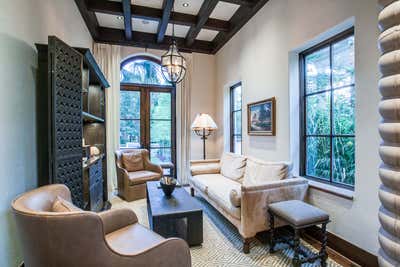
222 243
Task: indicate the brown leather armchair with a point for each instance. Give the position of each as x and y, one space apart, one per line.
132 181
83 238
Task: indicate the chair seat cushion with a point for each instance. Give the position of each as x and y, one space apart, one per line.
298 213
132 239
141 177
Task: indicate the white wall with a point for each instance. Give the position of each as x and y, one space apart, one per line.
259 56
23 23
202 93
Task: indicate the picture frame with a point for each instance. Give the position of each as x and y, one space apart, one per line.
261 117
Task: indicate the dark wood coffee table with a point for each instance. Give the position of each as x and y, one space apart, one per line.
177 216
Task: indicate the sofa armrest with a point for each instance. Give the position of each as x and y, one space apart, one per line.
117 219
255 201
203 161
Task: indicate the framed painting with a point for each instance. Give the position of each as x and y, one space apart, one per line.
261 117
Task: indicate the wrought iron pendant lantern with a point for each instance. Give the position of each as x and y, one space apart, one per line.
173 64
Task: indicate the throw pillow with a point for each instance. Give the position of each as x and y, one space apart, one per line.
132 161
260 172
62 205
233 166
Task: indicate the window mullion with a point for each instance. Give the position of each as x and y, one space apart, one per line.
331 113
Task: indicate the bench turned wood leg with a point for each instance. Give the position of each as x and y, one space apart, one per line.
246 245
271 232
323 254
296 258
192 191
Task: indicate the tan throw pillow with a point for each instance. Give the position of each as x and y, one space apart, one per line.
233 166
132 161
62 205
235 198
260 172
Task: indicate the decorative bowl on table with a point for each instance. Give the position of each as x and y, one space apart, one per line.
168 185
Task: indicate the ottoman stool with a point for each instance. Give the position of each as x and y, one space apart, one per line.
299 215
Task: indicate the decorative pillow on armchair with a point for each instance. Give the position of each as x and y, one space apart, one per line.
132 161
260 172
233 166
62 205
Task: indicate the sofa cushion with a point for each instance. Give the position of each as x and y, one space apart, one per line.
132 161
209 168
62 205
140 177
219 192
259 172
235 198
202 181
233 166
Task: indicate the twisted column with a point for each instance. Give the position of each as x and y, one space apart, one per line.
389 129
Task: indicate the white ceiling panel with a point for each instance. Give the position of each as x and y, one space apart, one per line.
142 25
110 21
206 35
224 11
149 3
193 8
180 30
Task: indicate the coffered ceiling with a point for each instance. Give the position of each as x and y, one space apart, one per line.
202 26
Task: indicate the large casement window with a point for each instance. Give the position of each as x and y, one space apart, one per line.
327 111
147 111
236 118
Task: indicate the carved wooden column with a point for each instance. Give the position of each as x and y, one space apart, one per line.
389 129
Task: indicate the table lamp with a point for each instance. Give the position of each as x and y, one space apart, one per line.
203 125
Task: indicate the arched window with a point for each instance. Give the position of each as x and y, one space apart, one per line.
142 70
147 111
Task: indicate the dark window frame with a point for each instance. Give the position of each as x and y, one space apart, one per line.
232 134
302 99
145 121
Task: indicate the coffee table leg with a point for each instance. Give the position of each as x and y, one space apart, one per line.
195 229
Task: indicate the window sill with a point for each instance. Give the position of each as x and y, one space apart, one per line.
337 191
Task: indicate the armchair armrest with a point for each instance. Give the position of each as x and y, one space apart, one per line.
210 166
148 165
116 219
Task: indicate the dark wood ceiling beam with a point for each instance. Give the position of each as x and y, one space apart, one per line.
89 17
142 12
249 3
162 26
126 8
204 13
149 40
238 20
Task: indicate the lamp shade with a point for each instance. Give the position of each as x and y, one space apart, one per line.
203 121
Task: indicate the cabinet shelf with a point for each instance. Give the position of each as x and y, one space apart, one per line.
87 117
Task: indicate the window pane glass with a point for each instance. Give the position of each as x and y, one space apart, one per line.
237 122
142 71
318 157
237 144
130 105
343 62
160 133
160 155
343 110
318 113
343 160
237 97
129 133
318 71
160 105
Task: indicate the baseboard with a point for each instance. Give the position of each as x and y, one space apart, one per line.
344 248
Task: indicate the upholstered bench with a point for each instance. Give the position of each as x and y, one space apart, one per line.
299 215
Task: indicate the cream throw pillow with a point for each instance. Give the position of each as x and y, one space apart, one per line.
233 166
260 172
132 161
62 205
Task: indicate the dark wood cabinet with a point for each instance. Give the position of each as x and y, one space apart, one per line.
70 103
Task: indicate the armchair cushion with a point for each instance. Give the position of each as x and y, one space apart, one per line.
132 161
233 166
62 205
208 168
261 172
141 177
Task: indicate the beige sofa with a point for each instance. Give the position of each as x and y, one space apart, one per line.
241 188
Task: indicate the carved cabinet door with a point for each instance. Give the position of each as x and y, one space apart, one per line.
65 80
